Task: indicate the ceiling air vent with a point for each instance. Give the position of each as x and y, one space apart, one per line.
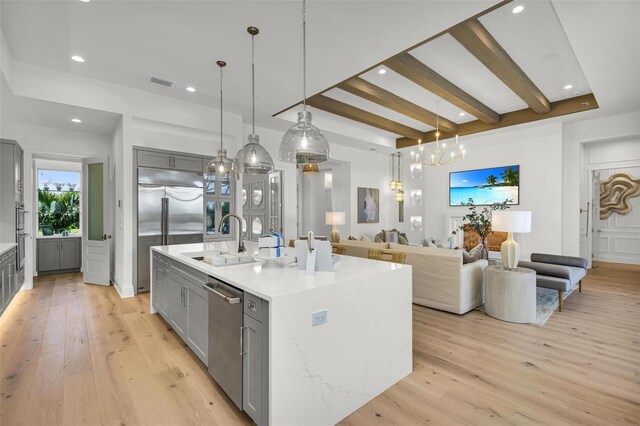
161 81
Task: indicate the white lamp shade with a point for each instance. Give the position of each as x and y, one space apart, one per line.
511 221
334 218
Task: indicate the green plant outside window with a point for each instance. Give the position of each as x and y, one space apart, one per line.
58 203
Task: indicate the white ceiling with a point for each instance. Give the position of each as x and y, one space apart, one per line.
126 41
51 114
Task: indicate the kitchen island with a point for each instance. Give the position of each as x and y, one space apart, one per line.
331 342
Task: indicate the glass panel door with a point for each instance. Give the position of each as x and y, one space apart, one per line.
95 195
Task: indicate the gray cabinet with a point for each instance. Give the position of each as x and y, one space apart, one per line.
59 254
198 322
167 160
48 256
70 253
177 309
8 279
179 297
255 362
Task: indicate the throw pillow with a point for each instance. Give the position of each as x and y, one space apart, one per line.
364 238
476 252
403 240
352 238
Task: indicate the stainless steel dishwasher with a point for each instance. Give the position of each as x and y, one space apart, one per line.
225 338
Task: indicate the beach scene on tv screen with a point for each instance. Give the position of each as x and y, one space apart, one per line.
485 186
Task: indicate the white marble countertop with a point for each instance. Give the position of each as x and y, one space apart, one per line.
275 279
44 237
5 247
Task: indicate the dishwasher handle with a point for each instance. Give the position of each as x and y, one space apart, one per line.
230 299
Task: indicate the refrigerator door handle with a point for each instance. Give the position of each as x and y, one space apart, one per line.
165 231
163 221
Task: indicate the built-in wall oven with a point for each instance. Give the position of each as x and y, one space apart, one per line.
20 235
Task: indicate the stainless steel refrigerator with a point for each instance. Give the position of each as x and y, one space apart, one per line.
170 211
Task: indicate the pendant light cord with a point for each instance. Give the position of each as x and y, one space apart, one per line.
253 87
304 55
221 72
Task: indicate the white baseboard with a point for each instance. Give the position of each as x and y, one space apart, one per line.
123 292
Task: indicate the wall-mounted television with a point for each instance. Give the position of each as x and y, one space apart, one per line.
485 186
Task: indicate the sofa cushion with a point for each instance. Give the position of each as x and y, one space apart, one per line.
553 283
548 269
555 259
577 274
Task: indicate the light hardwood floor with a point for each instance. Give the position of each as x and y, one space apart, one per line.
78 354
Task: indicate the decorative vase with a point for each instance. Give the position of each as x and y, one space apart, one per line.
485 249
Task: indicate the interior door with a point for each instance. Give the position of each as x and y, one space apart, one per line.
96 231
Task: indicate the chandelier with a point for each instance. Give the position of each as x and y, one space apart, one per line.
396 184
443 154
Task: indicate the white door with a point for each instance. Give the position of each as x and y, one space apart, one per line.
96 233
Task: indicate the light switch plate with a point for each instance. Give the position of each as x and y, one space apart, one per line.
319 317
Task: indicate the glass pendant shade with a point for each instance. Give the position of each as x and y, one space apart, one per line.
399 196
304 143
219 166
310 169
253 159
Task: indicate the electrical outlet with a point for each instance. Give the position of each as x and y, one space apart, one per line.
319 317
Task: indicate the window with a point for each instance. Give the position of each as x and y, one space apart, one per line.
58 202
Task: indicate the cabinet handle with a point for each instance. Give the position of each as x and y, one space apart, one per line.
242 352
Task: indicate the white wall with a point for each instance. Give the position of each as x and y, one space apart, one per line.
617 238
538 151
54 142
576 179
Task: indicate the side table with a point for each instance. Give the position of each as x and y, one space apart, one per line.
510 295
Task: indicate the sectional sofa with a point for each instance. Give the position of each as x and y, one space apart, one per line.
440 279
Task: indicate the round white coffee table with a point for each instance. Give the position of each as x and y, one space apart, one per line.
510 295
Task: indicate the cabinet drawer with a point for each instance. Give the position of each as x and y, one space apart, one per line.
190 276
253 306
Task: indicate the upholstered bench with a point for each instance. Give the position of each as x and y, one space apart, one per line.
556 272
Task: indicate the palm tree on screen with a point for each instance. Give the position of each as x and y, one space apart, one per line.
491 179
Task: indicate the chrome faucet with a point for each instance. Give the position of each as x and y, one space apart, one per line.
241 248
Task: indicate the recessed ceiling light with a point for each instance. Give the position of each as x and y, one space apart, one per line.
85 1
461 114
76 120
382 71
518 9
77 58
191 89
568 86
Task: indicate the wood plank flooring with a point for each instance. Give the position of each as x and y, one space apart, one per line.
77 354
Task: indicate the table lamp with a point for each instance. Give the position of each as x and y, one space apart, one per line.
510 221
335 219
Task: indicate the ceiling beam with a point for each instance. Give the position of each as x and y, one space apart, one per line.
356 114
411 68
527 115
362 88
481 44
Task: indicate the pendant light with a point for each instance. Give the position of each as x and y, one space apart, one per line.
304 143
393 182
220 166
310 169
253 159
